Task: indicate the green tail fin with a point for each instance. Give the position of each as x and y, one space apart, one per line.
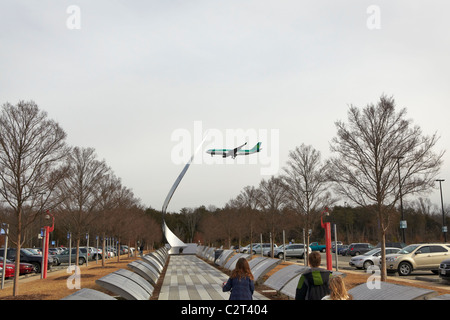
256 148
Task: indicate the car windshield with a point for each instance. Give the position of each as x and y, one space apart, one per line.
371 252
408 249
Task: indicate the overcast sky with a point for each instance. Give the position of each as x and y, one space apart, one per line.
140 80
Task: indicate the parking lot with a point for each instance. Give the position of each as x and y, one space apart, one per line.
62 266
343 264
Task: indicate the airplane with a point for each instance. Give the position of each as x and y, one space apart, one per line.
234 152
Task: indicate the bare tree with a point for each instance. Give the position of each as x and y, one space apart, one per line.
107 189
365 166
82 190
125 203
32 149
272 198
248 200
191 219
233 220
307 185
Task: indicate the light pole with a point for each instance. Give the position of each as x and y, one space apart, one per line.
327 227
402 222
444 227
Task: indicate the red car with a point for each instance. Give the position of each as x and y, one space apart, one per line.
25 268
9 268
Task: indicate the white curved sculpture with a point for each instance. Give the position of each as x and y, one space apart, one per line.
175 243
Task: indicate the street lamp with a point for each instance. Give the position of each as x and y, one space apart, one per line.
444 227
47 230
402 222
327 227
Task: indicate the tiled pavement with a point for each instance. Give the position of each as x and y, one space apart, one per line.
190 278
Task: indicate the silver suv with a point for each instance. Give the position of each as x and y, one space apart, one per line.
265 247
292 250
425 256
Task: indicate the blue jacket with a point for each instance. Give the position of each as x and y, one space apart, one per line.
241 289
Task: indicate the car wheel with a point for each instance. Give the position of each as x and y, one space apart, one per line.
280 255
36 267
404 269
367 264
81 261
357 253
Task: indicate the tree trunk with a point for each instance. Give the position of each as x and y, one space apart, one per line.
383 272
17 264
383 256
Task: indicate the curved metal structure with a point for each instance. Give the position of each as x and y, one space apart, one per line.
171 238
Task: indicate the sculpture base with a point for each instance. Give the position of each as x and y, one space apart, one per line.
189 248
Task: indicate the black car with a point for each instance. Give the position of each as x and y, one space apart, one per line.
444 269
355 249
28 257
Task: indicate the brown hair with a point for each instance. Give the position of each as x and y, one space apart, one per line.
242 269
338 291
314 259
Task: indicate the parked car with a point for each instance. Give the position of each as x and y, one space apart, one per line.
426 256
370 258
26 256
333 243
292 250
245 249
444 269
315 246
10 269
111 251
97 252
268 252
340 247
355 249
265 246
123 249
34 250
25 268
64 256
53 251
342 250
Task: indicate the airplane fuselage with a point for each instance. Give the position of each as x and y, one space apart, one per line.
234 152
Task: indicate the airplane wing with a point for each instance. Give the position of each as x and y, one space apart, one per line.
232 152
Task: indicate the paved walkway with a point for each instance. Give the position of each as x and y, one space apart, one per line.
190 278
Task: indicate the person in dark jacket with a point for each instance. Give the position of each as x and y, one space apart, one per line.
240 282
314 283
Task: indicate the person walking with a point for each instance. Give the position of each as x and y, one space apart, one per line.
241 282
338 291
313 284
